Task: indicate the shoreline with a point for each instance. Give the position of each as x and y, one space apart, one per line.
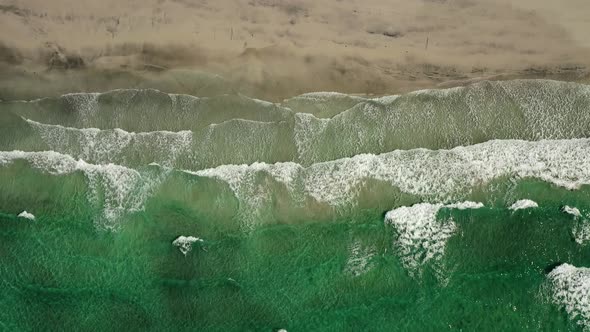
26 84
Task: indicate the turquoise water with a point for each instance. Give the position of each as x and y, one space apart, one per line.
462 209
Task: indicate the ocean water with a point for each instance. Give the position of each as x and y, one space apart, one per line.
438 210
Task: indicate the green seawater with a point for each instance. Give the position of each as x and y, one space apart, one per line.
325 212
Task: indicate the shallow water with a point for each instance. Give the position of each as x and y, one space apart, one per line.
460 209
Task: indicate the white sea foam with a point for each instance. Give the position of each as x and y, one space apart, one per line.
581 226
183 102
550 106
570 289
318 99
113 145
237 175
185 243
489 108
465 205
27 215
116 189
581 231
438 92
85 103
242 180
572 210
326 94
359 260
523 204
308 129
422 238
261 102
444 174
432 175
385 123
386 99
235 139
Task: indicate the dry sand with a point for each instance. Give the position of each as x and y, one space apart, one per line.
273 49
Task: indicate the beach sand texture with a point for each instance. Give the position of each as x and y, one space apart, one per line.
274 49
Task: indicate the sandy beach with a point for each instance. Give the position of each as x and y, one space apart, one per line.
274 49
